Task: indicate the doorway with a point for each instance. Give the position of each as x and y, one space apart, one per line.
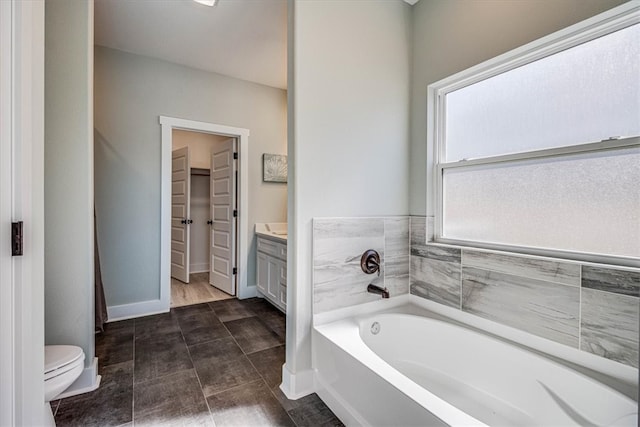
203 225
228 182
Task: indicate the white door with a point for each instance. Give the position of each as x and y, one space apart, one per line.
223 229
180 207
22 199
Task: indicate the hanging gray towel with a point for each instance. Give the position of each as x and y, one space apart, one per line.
101 305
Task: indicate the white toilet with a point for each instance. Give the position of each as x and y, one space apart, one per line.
63 364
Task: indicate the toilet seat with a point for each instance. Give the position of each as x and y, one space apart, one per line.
59 359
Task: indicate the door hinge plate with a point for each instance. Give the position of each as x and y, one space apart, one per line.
235 213
235 156
17 238
235 270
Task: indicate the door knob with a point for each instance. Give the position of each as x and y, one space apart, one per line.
186 221
210 222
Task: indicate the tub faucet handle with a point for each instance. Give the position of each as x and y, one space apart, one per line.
370 262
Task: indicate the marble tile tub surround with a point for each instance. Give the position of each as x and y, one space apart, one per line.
587 306
338 244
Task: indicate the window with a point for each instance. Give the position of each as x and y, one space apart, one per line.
538 150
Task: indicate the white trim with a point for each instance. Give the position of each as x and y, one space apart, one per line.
7 317
167 125
22 199
250 292
201 267
89 380
137 309
569 150
297 385
605 23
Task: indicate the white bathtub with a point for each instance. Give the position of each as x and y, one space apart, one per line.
425 369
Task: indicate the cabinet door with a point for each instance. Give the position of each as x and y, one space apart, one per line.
283 296
282 281
273 288
262 273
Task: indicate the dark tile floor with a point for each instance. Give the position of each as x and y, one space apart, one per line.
214 364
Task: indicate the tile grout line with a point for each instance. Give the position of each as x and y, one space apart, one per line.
238 344
460 266
254 367
264 380
260 377
206 402
241 349
386 254
410 252
580 309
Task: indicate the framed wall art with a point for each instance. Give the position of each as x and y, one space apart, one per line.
274 168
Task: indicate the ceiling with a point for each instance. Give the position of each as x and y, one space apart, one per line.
245 39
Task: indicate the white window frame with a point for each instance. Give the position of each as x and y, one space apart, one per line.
613 20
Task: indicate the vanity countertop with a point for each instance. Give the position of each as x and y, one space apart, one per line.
273 230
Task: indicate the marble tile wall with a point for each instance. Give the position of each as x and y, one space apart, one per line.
591 307
338 244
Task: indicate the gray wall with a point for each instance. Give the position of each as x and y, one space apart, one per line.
131 91
453 35
69 276
351 130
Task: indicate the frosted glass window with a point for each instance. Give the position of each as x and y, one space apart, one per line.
584 94
583 203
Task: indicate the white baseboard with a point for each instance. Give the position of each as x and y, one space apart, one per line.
248 292
298 385
88 380
138 309
199 268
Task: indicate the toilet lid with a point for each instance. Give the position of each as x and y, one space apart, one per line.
57 356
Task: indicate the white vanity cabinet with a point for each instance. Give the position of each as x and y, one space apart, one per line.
271 274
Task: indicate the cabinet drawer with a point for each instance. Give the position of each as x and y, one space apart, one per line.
270 247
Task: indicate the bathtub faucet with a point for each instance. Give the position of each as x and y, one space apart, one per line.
378 290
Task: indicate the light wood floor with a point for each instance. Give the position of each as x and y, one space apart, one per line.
198 290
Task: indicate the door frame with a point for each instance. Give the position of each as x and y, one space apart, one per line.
168 124
22 199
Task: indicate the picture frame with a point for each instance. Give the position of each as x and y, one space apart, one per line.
274 168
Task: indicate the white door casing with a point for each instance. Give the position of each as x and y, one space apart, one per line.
7 321
180 212
223 229
244 235
22 199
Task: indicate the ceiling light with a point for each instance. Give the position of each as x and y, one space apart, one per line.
206 2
